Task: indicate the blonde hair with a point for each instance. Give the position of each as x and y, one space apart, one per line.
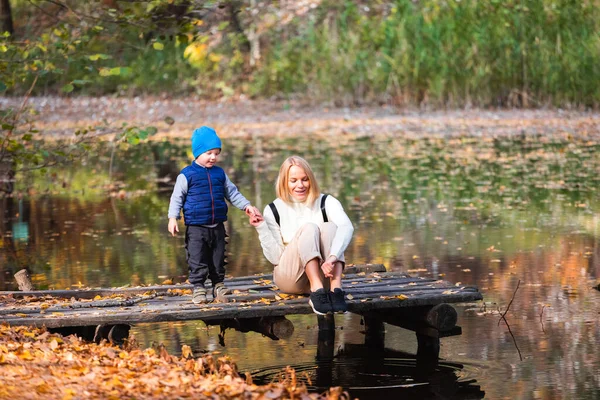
281 185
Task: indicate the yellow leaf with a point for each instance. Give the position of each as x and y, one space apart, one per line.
402 297
349 296
215 57
167 282
195 52
98 297
54 344
58 313
69 394
29 334
186 351
22 315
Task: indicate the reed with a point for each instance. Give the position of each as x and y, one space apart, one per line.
442 53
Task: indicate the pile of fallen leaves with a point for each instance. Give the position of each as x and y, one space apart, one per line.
35 363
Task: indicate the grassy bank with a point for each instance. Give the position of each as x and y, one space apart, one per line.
430 53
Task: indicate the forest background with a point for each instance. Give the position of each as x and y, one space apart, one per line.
428 54
436 53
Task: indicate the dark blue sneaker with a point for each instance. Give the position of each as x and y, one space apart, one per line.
320 302
338 301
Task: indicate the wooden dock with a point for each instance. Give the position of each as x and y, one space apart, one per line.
419 304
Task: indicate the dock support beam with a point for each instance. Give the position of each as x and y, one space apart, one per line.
113 333
374 333
326 337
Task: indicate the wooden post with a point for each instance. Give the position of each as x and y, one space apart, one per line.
374 333
118 333
428 350
326 337
24 281
102 332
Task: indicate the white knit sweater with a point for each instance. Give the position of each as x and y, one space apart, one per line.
274 238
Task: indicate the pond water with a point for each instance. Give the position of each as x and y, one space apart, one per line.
516 215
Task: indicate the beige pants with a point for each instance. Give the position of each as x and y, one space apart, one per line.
311 241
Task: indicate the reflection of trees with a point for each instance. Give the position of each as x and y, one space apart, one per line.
415 203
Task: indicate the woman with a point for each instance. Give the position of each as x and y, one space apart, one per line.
306 250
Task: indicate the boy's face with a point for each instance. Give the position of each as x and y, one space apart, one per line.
208 158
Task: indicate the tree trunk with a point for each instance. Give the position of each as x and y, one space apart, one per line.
6 21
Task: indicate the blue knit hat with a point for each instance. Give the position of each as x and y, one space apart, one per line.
203 139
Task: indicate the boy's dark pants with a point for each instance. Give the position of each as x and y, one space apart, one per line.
205 253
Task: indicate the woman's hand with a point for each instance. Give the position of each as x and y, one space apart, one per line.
327 266
256 220
254 216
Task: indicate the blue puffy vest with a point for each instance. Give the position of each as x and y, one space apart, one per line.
205 201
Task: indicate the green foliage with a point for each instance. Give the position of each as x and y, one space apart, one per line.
429 53
70 56
443 53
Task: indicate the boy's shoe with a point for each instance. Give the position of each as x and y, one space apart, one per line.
338 301
320 302
219 292
199 295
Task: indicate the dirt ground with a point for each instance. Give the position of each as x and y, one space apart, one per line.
57 115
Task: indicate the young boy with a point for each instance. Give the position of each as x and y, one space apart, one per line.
201 190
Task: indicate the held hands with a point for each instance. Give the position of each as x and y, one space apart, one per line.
254 216
327 266
173 228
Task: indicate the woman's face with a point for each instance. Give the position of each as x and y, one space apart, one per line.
298 183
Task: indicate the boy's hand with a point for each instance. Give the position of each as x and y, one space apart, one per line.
173 228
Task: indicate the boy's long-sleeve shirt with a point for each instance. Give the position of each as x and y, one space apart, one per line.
274 238
232 194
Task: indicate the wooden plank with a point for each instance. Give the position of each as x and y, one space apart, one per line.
358 293
189 311
365 293
244 282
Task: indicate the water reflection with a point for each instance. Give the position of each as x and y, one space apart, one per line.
484 211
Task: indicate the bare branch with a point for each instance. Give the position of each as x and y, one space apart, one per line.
511 300
16 119
503 318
